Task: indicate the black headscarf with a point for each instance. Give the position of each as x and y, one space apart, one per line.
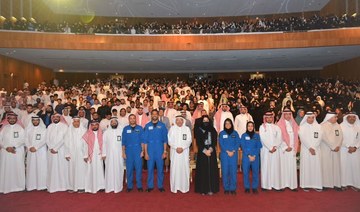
205 125
229 131
250 133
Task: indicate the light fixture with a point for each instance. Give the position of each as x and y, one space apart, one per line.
61 70
354 15
11 74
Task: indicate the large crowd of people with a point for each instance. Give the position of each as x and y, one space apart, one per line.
82 137
120 26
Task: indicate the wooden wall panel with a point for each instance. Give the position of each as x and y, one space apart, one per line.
22 71
350 36
349 69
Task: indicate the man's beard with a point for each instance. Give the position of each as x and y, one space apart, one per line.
56 121
114 127
95 129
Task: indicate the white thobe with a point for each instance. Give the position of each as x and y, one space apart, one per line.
310 165
94 178
350 162
240 122
12 166
26 118
74 149
123 121
179 137
36 162
330 160
57 177
270 162
114 163
288 161
84 122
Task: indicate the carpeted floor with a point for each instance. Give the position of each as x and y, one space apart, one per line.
155 201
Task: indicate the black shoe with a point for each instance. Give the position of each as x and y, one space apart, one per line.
129 190
161 190
255 191
233 192
226 192
279 190
294 190
247 191
264 190
149 189
140 190
338 189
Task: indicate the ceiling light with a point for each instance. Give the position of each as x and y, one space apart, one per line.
61 70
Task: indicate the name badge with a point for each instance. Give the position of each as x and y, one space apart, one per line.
128 131
357 135
316 135
151 128
16 134
225 136
184 137
337 132
159 127
247 138
233 136
137 131
38 136
118 138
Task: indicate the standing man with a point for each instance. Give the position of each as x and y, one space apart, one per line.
36 161
179 141
114 163
155 139
57 177
330 147
74 146
289 146
12 166
349 153
132 152
94 155
310 154
270 136
221 115
242 119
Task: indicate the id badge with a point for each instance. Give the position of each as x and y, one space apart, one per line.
118 138
128 131
337 132
225 136
316 135
38 136
16 134
247 138
184 137
151 127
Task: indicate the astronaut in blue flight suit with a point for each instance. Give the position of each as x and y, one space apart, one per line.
250 144
155 139
133 151
229 141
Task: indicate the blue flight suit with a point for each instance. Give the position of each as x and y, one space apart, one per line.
132 140
229 164
251 146
155 136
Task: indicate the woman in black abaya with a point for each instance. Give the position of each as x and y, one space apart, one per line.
207 172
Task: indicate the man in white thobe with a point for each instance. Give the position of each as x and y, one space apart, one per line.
26 116
36 160
57 173
330 151
241 120
94 157
114 163
349 152
289 146
179 140
12 153
74 152
221 115
310 154
270 136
